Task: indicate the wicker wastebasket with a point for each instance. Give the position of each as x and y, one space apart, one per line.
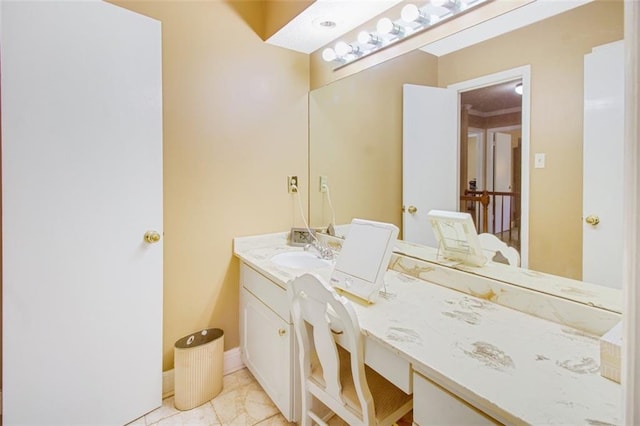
198 368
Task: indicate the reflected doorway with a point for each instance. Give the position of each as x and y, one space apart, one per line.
491 157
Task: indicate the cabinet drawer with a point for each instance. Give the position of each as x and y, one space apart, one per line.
433 405
394 368
270 293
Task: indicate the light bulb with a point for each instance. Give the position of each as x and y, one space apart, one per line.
329 54
439 3
365 37
410 13
341 48
384 26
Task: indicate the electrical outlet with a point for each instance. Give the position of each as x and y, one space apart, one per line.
292 184
324 182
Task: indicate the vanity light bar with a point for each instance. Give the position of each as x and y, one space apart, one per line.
413 20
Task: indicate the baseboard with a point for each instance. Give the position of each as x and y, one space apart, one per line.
168 384
231 361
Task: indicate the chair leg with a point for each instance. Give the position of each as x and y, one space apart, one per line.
317 419
306 420
306 407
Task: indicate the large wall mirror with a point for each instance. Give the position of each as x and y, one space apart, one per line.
356 139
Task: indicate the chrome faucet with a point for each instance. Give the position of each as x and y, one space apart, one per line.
324 250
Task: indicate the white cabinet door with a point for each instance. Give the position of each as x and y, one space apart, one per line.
266 350
81 183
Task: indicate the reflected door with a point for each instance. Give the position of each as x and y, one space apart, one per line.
476 156
603 178
81 185
429 158
500 172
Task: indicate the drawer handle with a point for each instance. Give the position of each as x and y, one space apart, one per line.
282 331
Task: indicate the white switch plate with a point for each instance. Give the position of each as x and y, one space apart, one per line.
539 160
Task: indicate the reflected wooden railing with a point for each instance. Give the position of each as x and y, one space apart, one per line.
495 212
476 203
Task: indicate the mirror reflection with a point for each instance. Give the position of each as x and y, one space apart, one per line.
356 139
490 159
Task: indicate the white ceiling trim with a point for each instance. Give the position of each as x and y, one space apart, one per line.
518 18
494 113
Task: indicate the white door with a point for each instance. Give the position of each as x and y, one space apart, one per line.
476 155
429 158
81 183
603 165
500 171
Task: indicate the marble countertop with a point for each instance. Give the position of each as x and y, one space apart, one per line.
515 367
578 291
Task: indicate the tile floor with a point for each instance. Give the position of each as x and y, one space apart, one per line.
242 402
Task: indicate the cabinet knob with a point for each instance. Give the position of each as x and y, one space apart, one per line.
412 209
282 331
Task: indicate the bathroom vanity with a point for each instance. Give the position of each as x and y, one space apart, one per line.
471 349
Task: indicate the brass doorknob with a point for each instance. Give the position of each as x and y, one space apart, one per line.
151 237
282 331
592 220
412 209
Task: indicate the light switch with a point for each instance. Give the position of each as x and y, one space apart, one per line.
539 160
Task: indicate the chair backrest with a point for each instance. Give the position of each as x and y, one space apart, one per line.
319 315
492 245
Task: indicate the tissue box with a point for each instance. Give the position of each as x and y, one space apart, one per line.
610 353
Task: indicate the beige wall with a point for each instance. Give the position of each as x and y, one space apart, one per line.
355 133
555 49
235 124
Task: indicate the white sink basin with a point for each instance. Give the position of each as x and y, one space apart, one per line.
300 260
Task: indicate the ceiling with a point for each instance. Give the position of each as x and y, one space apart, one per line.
305 33
491 99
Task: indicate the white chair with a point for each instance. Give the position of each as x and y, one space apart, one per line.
336 374
492 245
